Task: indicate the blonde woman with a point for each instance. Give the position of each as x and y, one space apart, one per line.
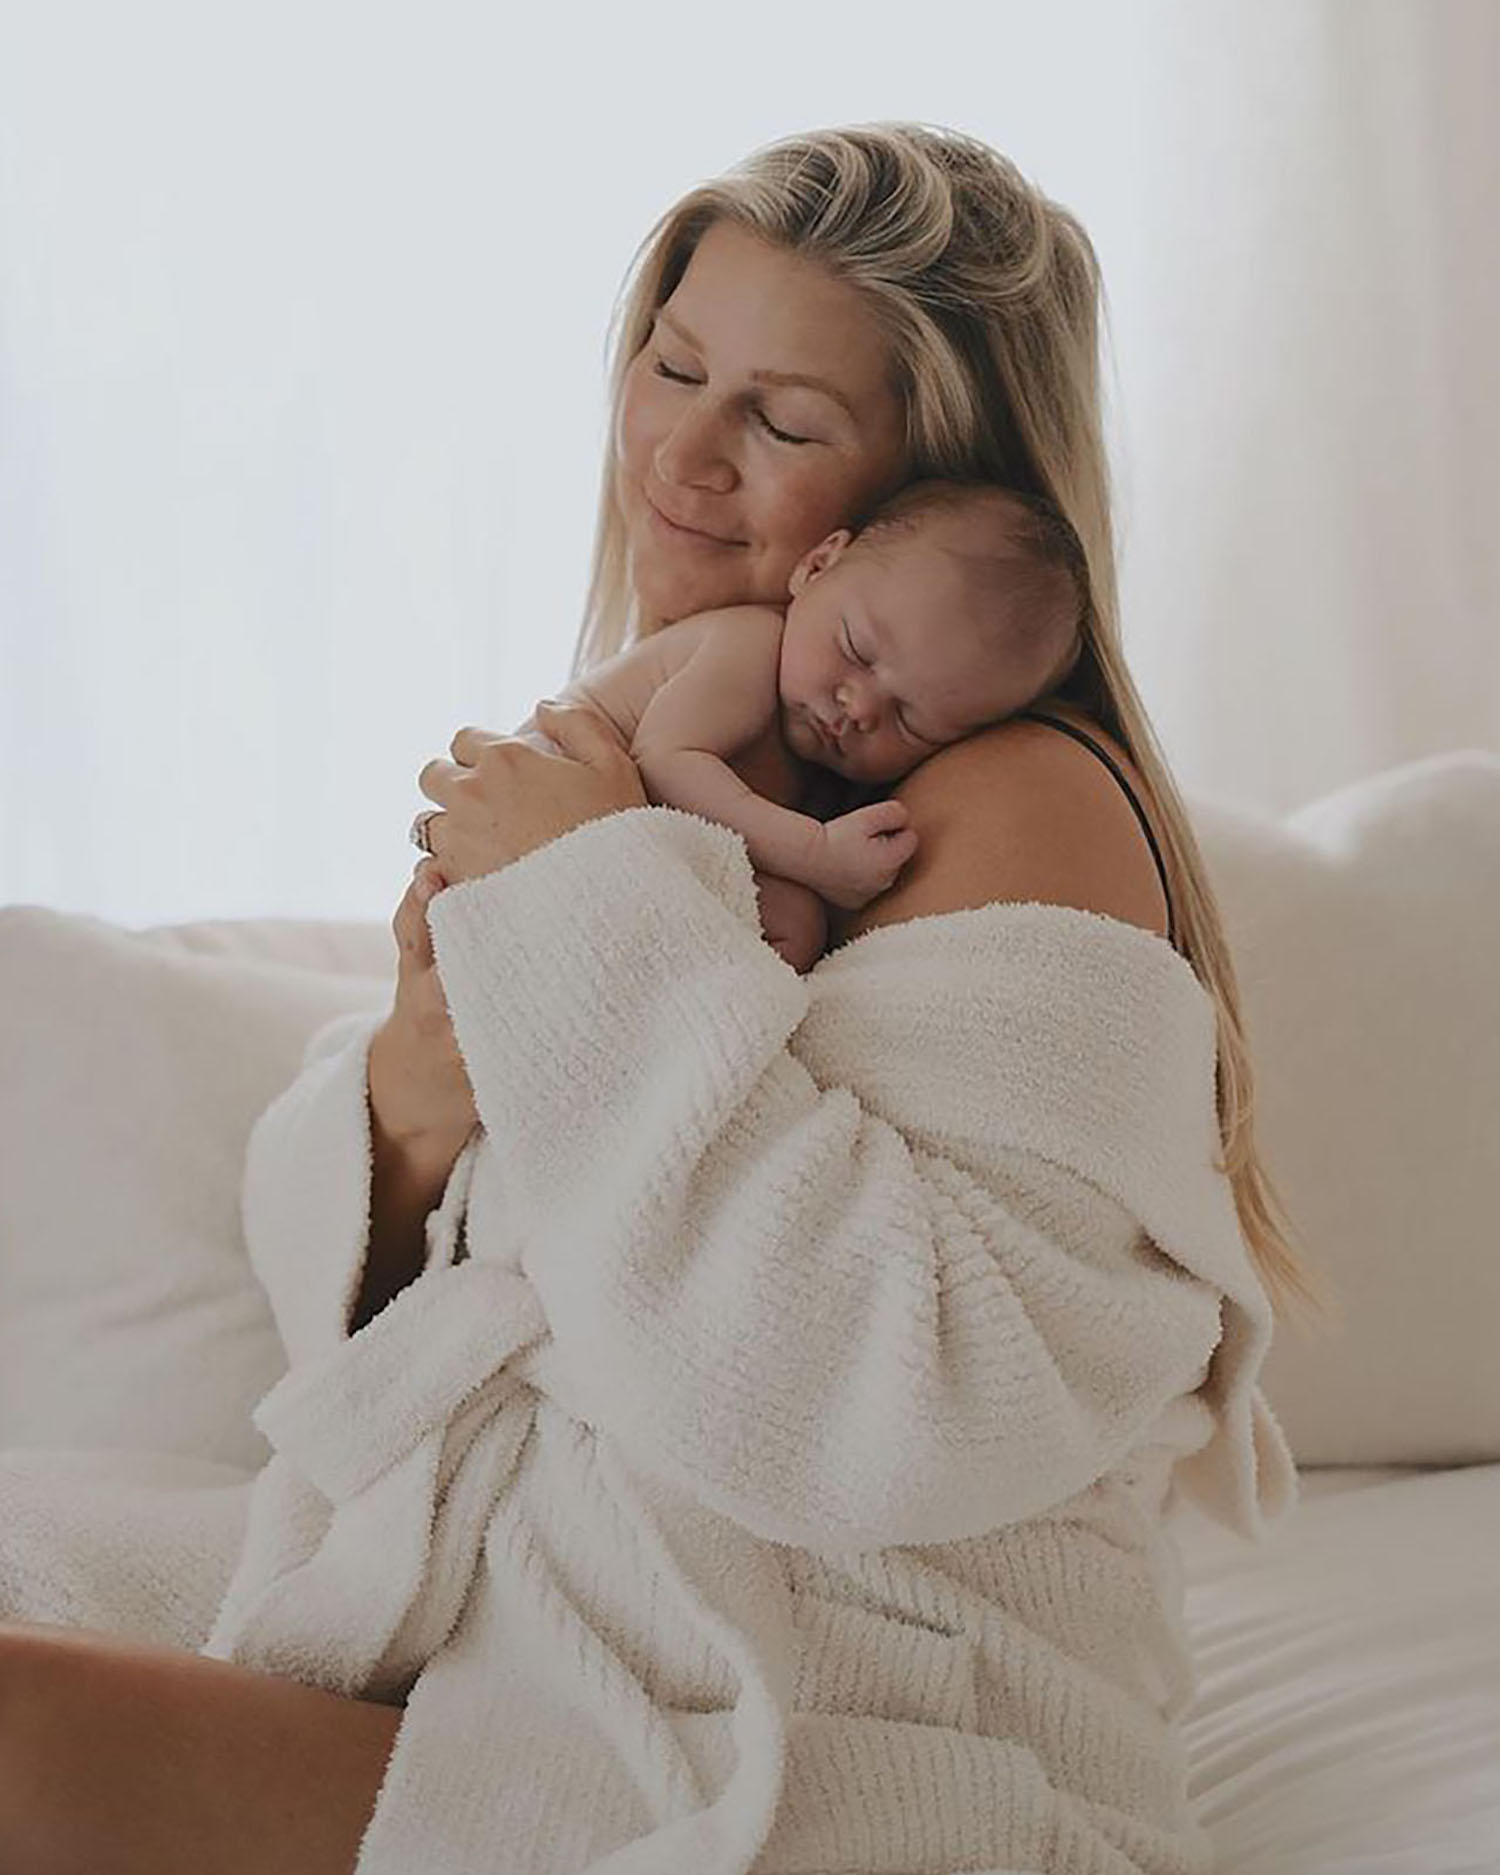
835 1343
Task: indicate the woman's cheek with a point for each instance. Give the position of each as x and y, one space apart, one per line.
632 447
805 506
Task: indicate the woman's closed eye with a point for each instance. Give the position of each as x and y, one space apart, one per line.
664 370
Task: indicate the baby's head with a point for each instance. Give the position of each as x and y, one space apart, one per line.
956 604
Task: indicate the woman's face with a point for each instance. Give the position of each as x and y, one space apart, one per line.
728 471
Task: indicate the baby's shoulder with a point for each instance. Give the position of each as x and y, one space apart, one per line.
739 624
746 630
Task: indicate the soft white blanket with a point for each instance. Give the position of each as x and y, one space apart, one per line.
777 1482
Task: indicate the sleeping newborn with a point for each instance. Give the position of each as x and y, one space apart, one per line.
953 606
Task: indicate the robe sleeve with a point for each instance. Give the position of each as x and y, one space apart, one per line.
880 1304
305 1197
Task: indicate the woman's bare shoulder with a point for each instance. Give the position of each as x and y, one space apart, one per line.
1021 812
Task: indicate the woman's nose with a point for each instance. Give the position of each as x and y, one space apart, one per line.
694 452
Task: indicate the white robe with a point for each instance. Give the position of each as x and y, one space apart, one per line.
777 1482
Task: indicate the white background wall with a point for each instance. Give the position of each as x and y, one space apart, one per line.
302 313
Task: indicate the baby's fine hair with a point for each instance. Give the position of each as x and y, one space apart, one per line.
1032 561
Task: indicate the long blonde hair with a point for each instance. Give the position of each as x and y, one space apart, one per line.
990 297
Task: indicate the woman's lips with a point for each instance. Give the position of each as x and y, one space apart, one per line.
673 530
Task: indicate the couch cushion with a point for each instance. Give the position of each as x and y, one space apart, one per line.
342 947
135 1066
1366 933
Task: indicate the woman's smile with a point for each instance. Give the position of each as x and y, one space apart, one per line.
684 536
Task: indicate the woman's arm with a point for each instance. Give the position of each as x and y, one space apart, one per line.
420 1108
347 1166
333 1204
880 1255
408 1175
344 1167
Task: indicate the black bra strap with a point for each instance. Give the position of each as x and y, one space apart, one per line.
1078 735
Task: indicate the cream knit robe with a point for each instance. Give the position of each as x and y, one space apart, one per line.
777 1483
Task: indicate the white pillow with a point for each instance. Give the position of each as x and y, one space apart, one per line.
132 1068
346 948
1366 936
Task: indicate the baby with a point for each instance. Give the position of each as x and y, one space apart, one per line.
953 606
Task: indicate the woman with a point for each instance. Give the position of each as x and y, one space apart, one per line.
846 310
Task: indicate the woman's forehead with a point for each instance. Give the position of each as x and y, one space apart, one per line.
762 311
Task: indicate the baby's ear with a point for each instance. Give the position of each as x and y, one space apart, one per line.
818 559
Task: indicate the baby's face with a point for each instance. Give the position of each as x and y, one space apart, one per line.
883 659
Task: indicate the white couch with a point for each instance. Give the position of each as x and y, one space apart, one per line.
1348 1717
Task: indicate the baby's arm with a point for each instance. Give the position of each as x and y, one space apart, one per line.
721 701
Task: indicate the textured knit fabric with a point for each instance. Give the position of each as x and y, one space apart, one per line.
770 1475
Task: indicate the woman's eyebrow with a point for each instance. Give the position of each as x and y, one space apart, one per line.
767 377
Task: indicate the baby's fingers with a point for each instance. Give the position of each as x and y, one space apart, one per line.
882 817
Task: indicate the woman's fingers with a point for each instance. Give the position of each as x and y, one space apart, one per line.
425 1084
434 775
522 792
413 939
466 744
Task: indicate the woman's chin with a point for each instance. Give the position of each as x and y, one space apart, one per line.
666 596
672 591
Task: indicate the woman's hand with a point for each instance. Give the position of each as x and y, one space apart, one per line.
502 797
497 809
419 1086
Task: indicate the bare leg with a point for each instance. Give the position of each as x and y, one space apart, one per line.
120 1758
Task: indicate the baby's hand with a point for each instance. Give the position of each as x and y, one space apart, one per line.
863 852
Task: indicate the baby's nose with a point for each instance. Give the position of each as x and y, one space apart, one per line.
860 707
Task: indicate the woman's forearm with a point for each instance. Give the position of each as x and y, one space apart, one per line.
408 1175
406 1184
